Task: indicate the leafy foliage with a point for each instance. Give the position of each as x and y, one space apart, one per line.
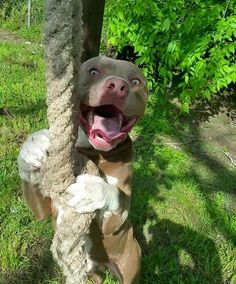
186 47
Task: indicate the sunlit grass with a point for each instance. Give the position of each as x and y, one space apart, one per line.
183 207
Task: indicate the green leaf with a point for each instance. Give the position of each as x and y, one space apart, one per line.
166 25
171 46
231 48
184 107
186 78
120 15
207 94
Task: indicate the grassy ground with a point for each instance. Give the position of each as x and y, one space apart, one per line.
183 205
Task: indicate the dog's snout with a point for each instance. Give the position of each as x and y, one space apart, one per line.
117 86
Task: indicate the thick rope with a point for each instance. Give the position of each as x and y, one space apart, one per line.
63 50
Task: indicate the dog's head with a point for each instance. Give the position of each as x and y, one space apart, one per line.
113 96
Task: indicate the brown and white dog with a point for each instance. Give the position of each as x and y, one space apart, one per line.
113 97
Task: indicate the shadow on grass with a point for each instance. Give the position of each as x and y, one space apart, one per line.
223 180
41 269
177 254
162 255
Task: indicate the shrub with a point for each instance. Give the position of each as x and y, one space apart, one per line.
186 47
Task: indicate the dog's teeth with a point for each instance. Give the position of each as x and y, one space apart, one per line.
120 119
90 117
100 138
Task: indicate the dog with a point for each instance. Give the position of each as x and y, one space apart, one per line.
113 95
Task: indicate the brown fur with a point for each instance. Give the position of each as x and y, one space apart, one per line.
113 243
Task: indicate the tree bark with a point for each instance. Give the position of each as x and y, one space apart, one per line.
93 18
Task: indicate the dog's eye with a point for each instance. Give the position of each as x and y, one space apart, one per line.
136 81
94 72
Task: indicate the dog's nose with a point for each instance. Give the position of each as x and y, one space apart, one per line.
117 86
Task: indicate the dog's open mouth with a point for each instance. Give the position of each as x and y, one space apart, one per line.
106 125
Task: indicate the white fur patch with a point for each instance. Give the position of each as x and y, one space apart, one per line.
124 215
91 193
104 214
90 265
88 194
112 180
32 156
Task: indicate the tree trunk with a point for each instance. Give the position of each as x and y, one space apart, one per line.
92 17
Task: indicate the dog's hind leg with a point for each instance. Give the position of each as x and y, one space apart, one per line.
127 266
129 263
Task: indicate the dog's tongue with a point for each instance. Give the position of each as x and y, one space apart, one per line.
109 128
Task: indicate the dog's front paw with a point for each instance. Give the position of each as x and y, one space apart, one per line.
32 156
91 193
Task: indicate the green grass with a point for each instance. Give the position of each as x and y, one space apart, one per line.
185 197
183 206
13 17
24 243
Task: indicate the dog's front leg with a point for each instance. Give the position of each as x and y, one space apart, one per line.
92 193
31 158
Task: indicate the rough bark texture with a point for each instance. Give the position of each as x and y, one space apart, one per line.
63 50
92 24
